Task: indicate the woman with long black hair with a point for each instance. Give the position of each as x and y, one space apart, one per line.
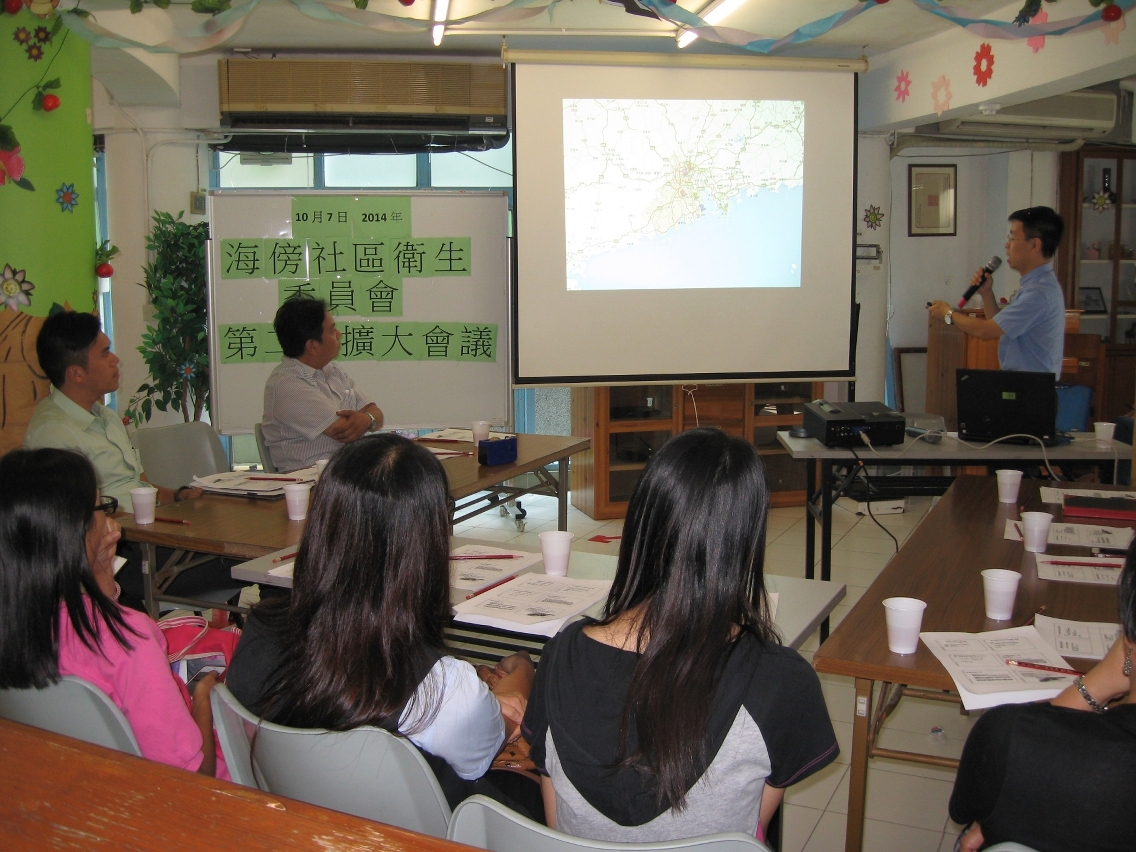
679 714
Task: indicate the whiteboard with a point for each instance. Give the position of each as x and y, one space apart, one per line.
416 386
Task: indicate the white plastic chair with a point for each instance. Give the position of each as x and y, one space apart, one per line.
72 707
173 455
480 821
235 728
366 772
262 448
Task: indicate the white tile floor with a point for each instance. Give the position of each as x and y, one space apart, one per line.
907 802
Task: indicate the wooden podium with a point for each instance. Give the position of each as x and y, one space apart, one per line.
949 348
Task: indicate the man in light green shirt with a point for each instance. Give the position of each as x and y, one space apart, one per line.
76 356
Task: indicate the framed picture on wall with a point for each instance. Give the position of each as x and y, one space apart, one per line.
1091 300
932 204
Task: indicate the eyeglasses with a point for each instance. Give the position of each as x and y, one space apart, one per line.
109 505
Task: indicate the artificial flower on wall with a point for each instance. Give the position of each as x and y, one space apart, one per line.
67 197
983 64
14 288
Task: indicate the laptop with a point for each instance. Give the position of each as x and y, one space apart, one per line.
995 403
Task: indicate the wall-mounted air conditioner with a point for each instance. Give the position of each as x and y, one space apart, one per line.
431 103
1075 115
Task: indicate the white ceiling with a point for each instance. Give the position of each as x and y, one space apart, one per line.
591 25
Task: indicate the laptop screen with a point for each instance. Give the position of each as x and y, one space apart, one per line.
995 403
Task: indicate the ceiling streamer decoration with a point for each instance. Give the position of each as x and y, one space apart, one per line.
986 28
209 34
516 10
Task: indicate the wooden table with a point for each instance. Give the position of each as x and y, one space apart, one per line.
949 452
60 793
245 528
801 607
940 563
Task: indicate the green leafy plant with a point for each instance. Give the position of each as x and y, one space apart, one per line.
176 347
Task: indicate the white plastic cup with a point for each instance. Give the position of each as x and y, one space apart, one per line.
1035 526
480 431
320 465
1104 433
296 496
1001 588
145 501
904 618
556 547
1008 483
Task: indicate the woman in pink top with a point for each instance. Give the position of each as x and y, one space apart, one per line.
58 614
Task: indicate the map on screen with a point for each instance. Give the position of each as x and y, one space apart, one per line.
678 194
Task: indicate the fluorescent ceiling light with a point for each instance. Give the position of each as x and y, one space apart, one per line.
716 15
439 31
441 11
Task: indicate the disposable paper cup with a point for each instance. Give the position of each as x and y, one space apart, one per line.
480 431
904 617
1001 589
1008 483
320 465
296 496
1104 433
556 547
1036 528
145 500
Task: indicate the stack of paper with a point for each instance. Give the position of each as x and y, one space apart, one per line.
1078 535
977 664
1089 640
1058 495
460 435
475 575
241 483
532 603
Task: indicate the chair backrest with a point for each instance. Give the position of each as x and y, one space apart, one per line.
1009 846
366 772
262 448
235 728
480 821
173 455
72 707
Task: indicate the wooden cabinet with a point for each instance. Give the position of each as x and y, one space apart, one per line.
628 423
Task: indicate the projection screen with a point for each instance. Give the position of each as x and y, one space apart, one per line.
676 224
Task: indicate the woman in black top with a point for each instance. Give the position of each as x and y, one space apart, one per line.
1061 775
678 714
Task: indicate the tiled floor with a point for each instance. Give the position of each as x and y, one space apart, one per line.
907 802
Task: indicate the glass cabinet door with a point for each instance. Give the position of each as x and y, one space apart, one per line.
629 454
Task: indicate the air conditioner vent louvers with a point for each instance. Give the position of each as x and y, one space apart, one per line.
1075 115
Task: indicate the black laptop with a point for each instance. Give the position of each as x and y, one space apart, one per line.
995 403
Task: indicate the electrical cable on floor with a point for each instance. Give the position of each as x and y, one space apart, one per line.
862 469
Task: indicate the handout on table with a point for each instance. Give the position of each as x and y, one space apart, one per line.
472 575
460 435
244 483
532 603
1089 640
1078 535
976 663
1095 571
1058 495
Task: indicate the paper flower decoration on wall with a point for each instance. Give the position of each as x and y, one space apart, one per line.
14 289
941 95
35 52
983 64
1101 202
22 36
902 86
12 168
67 197
873 218
1036 43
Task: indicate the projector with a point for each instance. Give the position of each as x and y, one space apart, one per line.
839 424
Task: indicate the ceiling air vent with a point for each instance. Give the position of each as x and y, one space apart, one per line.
1076 115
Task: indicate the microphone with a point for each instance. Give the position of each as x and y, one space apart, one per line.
989 269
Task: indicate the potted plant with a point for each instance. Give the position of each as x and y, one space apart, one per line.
176 346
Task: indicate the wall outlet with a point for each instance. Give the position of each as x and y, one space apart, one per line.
197 203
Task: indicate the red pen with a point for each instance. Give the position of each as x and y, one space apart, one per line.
172 521
1101 564
489 587
1023 665
274 479
446 440
282 558
474 556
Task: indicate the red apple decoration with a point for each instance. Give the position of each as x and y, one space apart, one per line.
50 102
104 270
1111 13
406 2
13 7
881 1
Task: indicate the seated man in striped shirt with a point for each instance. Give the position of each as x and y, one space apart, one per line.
311 406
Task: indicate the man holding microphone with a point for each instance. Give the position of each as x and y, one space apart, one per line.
1031 329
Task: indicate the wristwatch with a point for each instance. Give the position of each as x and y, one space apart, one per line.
947 317
372 427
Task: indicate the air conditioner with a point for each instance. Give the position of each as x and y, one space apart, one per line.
423 105
1075 115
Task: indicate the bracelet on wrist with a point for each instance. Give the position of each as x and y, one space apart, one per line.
1092 702
177 494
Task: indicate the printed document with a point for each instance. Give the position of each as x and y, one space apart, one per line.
473 575
1058 495
256 483
977 664
532 603
1070 569
1078 535
1089 640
